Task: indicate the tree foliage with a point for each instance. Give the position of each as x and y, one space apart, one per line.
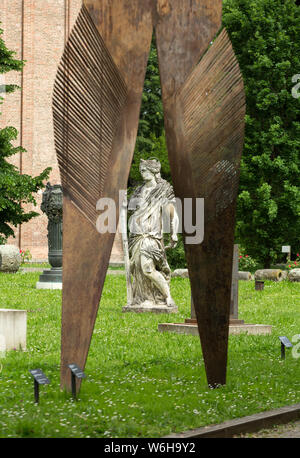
266 38
15 189
150 140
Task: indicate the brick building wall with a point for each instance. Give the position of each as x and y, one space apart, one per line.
37 30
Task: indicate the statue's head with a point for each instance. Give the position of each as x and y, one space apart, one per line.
150 166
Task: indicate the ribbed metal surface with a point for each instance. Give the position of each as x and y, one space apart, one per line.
89 95
213 104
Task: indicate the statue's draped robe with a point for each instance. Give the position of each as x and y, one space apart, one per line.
146 239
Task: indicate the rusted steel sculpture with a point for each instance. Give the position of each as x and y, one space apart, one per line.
96 104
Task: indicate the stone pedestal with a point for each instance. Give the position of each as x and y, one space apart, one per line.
234 329
152 308
50 279
236 326
10 258
13 329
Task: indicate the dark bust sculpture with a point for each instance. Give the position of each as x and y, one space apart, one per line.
52 206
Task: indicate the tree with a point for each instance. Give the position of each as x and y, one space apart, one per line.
16 189
151 136
266 38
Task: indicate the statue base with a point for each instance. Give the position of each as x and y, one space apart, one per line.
235 327
150 307
50 279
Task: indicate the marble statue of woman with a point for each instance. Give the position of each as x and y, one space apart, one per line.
152 203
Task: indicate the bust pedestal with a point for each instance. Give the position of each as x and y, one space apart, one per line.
236 326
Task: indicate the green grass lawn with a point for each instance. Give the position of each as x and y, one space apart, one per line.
140 382
42 265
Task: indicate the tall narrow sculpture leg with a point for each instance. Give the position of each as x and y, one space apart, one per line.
213 98
85 256
203 100
96 107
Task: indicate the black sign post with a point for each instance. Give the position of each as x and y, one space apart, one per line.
259 285
285 343
76 372
39 379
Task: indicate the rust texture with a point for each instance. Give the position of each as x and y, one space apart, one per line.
96 108
209 123
89 96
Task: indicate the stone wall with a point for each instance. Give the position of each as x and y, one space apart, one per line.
37 30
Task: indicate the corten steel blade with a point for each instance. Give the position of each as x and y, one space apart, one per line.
96 105
204 108
96 110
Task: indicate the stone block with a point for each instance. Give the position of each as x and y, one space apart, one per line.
269 274
182 273
294 275
151 308
13 329
246 276
234 329
10 258
48 285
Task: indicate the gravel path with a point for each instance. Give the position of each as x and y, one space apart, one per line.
288 431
